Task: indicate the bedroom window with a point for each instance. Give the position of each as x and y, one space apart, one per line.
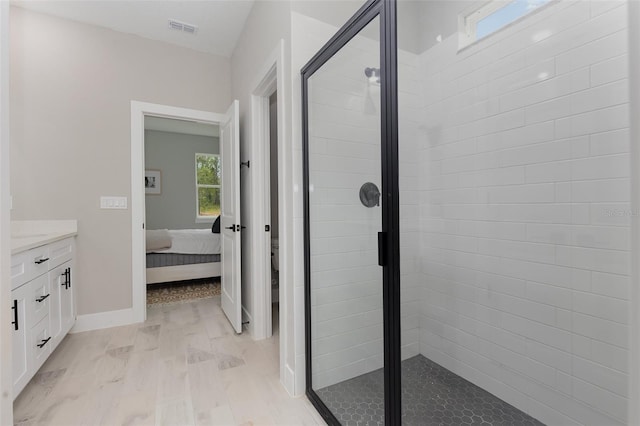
207 186
477 23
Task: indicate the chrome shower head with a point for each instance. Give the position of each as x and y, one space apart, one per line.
373 74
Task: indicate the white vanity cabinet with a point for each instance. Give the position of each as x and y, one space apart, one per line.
43 305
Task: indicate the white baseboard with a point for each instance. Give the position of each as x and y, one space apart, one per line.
298 372
289 381
103 320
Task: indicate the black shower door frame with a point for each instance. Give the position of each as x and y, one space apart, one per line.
389 239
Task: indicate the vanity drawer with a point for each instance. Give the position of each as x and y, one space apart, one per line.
28 265
39 260
60 252
20 271
38 300
40 344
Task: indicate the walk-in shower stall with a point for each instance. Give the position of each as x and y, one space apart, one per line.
467 214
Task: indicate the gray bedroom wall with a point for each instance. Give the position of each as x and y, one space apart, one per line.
174 155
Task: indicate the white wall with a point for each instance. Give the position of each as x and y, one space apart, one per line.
71 88
174 155
525 212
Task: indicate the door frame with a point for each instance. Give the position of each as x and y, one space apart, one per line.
269 79
139 110
6 334
633 408
390 250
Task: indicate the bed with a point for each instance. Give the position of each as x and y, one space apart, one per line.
183 254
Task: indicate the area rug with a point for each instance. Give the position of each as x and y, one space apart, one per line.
182 292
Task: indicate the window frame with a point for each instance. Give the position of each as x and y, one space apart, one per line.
469 18
200 218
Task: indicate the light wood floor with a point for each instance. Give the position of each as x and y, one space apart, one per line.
183 366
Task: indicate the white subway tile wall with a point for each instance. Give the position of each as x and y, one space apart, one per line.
345 152
346 280
515 188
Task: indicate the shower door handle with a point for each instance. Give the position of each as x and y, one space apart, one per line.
382 248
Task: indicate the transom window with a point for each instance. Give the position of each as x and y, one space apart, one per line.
479 23
208 186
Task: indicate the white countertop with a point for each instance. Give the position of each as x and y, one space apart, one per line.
28 234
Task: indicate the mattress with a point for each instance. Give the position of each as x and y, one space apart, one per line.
192 241
158 260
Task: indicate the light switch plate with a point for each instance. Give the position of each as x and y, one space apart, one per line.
113 203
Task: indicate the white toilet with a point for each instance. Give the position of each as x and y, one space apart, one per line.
275 254
275 264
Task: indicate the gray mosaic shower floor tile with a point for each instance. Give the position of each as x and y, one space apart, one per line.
431 395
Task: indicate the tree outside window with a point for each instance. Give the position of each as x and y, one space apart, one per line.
208 175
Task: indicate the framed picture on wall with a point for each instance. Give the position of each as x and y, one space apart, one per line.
152 182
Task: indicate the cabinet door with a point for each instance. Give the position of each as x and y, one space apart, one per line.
57 282
67 300
20 351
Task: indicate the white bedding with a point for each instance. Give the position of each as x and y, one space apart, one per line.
157 239
193 241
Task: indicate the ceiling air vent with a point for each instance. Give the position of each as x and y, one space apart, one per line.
191 29
182 26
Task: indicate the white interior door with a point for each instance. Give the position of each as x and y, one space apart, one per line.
230 217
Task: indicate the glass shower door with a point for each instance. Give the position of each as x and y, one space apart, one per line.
344 219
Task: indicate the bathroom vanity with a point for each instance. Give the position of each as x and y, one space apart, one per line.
43 292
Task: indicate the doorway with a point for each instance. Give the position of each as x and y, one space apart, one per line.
268 99
274 255
230 212
182 205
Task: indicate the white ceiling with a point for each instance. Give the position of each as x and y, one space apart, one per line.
181 126
219 22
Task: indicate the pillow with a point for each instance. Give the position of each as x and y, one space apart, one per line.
216 226
157 239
